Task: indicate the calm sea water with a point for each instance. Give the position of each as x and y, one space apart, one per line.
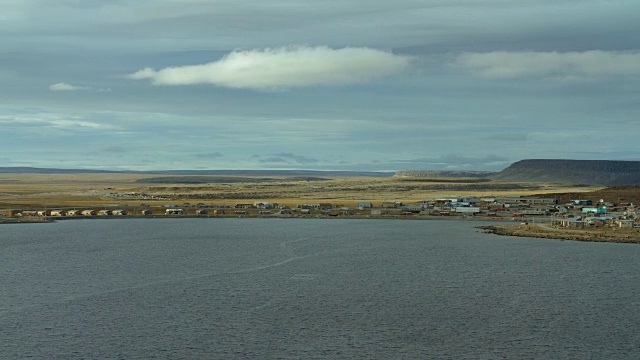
311 289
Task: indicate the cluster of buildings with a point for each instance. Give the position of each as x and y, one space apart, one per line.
495 208
586 213
63 213
576 213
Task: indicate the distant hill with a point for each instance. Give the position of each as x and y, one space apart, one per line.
216 179
430 174
32 170
585 172
286 173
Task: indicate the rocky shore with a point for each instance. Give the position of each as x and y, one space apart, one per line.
13 220
605 234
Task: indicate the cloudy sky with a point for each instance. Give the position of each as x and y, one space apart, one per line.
321 85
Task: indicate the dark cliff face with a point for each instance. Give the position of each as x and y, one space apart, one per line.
587 172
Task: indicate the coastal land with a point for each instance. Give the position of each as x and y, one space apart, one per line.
599 234
310 194
134 191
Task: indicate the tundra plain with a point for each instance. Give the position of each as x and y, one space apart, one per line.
34 191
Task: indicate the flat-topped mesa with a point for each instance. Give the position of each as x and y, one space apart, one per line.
586 172
443 174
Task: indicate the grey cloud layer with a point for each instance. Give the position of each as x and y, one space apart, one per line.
359 84
227 24
506 65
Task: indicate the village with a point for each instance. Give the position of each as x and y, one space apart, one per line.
579 213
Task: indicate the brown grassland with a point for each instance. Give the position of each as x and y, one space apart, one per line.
95 190
599 234
133 191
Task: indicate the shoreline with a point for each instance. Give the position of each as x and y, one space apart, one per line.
542 231
14 220
51 219
615 235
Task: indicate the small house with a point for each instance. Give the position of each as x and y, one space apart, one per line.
243 206
594 210
263 205
308 206
412 208
385 212
570 223
105 212
447 200
119 212
467 210
625 223
581 202
525 200
9 213
174 211
89 212
470 200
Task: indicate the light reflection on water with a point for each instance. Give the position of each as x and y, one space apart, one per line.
273 288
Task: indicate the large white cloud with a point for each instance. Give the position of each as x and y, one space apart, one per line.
506 65
283 68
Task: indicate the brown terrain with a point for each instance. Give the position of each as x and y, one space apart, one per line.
36 191
601 234
135 191
616 194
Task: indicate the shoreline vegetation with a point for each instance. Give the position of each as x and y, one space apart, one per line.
602 234
20 220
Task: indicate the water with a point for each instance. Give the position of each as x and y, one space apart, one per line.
311 289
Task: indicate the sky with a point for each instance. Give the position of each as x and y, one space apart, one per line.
318 85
